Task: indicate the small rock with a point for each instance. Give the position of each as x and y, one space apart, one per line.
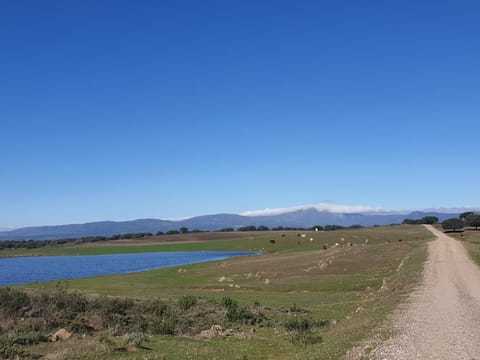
61 334
94 322
214 331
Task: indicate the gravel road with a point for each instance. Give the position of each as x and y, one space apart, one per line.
442 318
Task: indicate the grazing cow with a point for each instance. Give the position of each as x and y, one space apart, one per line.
400 240
272 241
304 235
366 241
337 244
283 235
311 240
325 247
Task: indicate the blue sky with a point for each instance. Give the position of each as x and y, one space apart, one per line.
118 110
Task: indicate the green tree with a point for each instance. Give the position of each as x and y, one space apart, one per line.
465 215
452 224
183 230
228 229
473 220
429 220
247 228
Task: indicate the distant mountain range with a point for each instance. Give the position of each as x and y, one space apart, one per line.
306 217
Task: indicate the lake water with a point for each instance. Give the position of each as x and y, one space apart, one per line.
25 270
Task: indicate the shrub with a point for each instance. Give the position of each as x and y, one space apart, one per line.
28 338
114 306
241 314
9 350
13 301
70 303
296 309
229 303
237 313
304 331
186 302
167 325
159 307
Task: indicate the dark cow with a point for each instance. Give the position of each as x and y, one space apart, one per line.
272 242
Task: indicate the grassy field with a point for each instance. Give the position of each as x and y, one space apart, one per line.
471 240
353 286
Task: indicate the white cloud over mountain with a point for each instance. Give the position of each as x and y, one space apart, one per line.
353 209
330 207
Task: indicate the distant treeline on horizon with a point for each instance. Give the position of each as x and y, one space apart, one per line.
33 244
465 219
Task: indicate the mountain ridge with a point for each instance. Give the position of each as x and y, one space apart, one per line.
302 218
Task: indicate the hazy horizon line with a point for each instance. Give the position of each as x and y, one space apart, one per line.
322 207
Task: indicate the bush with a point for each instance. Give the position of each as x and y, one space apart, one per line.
114 306
167 325
186 302
159 307
13 301
29 338
229 303
296 309
304 331
9 350
70 303
242 314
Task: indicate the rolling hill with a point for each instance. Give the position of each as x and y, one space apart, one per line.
307 217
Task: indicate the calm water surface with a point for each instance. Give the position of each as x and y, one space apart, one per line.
25 270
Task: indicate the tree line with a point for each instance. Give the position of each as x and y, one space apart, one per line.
430 220
465 219
287 228
35 244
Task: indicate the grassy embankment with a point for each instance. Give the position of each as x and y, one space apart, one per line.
471 241
352 287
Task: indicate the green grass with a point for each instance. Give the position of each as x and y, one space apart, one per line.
257 241
347 291
471 241
231 245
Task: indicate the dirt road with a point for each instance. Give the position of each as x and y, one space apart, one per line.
442 318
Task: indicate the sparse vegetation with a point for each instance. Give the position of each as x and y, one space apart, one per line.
296 299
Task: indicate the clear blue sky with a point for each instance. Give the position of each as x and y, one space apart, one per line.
115 110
